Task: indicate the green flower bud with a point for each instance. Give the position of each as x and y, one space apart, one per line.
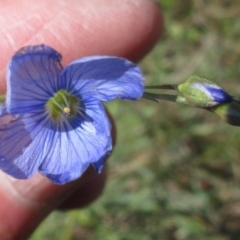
203 93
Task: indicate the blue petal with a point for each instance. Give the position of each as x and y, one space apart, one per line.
100 163
20 138
31 142
67 176
74 149
104 78
33 75
219 95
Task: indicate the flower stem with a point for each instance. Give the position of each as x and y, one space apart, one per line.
167 97
165 86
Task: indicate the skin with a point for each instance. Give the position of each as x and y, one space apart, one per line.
127 28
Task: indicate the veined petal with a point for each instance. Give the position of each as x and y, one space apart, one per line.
74 149
62 152
67 176
33 74
20 139
104 78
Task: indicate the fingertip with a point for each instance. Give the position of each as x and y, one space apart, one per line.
87 192
128 28
150 29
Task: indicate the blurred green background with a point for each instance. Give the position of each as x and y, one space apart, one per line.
175 172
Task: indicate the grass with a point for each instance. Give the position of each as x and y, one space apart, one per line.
175 172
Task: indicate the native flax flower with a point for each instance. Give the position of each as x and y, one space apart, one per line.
54 121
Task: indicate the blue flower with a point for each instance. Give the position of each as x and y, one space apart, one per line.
54 121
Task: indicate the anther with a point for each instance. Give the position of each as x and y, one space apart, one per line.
67 111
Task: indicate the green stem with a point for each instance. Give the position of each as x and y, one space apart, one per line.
166 97
165 86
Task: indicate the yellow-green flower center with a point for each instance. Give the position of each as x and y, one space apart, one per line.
62 106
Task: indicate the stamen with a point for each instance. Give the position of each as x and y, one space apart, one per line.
67 111
64 99
57 104
62 106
